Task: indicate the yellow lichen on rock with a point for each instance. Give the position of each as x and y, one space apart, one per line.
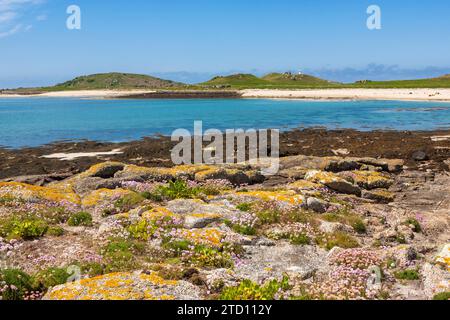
166 173
115 286
287 196
322 177
371 179
98 169
443 258
100 195
303 185
207 236
158 213
30 192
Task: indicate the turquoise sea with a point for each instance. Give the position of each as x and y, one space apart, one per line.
37 121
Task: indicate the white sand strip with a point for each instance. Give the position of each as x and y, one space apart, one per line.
73 156
81 94
354 94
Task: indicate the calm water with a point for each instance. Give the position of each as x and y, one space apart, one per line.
38 121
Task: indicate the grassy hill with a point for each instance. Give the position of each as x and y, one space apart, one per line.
439 82
114 80
239 81
272 80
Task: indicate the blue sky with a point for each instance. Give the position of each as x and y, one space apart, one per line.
205 37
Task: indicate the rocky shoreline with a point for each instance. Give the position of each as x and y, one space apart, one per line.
335 223
419 149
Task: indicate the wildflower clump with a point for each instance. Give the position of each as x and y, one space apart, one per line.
349 277
356 258
244 223
157 226
249 290
297 233
80 219
14 284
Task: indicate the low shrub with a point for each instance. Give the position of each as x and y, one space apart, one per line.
14 284
80 219
416 225
337 239
50 277
407 275
55 231
178 189
27 228
245 206
248 290
121 255
207 257
130 201
442 296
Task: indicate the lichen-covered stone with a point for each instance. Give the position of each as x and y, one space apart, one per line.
443 258
101 195
200 220
209 236
378 195
30 192
289 197
125 286
302 185
368 179
317 205
103 170
333 182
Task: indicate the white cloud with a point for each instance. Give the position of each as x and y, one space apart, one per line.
10 32
7 16
41 17
13 13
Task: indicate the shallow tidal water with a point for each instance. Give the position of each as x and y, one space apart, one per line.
31 122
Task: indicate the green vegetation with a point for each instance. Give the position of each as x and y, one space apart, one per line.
117 81
273 80
204 256
15 284
248 290
442 296
121 255
299 239
337 239
346 217
244 206
407 275
439 82
49 278
80 219
177 190
303 81
415 224
130 201
27 228
114 80
242 229
55 231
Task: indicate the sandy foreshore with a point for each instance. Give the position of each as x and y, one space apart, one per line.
353 94
80 94
307 94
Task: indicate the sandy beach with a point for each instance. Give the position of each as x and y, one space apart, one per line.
354 94
80 94
314 94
